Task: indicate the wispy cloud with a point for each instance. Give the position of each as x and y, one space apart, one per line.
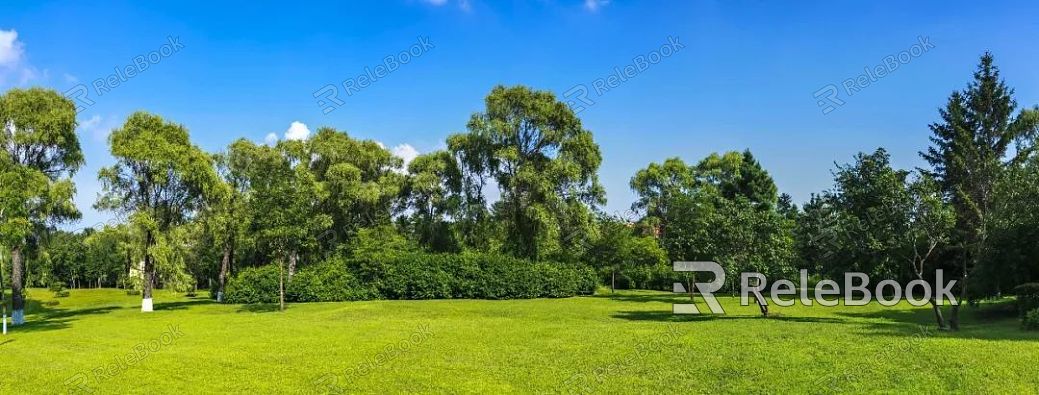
595 5
406 152
14 65
465 5
98 128
271 139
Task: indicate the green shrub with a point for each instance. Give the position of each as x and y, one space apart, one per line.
1031 320
254 285
330 281
416 275
58 289
474 276
1027 297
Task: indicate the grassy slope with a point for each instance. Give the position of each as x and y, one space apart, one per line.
615 344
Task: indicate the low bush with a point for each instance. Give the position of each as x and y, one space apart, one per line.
254 285
58 289
476 276
330 281
1027 297
415 275
1030 321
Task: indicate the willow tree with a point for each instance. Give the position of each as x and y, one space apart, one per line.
227 214
41 153
158 180
285 197
657 186
434 193
544 162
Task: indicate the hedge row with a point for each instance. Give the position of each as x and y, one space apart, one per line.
416 276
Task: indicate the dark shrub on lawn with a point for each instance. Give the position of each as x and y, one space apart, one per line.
254 285
476 276
416 275
1027 297
1031 320
330 281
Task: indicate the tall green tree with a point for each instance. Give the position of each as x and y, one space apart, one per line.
363 180
926 226
971 148
159 180
434 194
657 186
41 153
872 198
545 165
619 248
285 199
227 214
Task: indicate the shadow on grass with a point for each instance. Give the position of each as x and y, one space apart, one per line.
259 308
988 321
52 319
646 298
183 305
667 316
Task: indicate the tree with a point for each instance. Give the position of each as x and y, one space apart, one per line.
159 179
544 162
361 177
657 186
434 194
735 175
41 153
723 209
970 151
227 213
928 222
285 198
619 248
1014 228
871 198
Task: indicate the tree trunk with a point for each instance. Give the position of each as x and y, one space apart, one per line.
149 276
954 316
293 257
225 266
281 285
934 305
613 281
17 298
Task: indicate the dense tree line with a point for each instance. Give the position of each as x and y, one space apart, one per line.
191 219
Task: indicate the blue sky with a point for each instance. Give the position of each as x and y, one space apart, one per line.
744 77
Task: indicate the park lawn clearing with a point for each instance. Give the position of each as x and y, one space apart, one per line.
623 343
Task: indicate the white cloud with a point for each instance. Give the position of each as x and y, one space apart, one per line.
406 152
271 139
13 60
70 78
297 131
12 51
595 5
96 129
465 5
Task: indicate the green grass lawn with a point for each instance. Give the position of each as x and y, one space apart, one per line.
605 344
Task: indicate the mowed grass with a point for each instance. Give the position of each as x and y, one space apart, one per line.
625 343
